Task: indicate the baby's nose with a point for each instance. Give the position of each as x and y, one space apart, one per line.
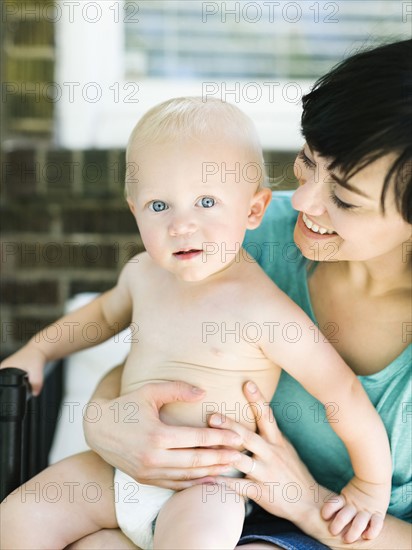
182 225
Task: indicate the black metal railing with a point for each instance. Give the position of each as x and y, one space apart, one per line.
27 424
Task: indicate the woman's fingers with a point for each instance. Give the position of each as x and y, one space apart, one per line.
195 460
179 485
180 437
266 423
249 440
247 465
269 432
169 392
159 449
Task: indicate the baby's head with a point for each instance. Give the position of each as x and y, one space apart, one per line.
195 181
185 119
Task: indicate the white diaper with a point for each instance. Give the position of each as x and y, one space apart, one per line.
137 507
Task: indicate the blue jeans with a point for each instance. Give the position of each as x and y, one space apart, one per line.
262 526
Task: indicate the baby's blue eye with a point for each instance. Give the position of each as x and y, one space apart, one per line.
207 202
158 206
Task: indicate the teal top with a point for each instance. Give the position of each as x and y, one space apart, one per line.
299 415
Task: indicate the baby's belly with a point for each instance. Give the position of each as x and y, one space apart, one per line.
223 391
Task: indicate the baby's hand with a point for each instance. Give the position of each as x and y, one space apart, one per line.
31 360
359 511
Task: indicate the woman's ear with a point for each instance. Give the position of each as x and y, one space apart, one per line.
260 201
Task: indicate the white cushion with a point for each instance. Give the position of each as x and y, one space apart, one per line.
83 371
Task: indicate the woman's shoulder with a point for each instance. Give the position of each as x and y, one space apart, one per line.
276 228
273 247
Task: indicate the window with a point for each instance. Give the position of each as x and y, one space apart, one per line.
117 59
250 40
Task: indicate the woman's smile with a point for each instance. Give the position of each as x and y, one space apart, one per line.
316 228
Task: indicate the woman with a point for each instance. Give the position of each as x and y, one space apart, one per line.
351 221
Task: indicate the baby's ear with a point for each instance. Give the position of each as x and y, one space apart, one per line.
260 201
131 206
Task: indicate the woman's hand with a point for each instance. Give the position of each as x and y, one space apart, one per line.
276 478
131 437
279 482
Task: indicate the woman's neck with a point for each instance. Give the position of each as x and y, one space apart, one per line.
381 276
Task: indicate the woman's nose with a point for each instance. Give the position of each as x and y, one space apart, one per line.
309 197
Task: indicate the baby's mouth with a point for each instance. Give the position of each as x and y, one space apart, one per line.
189 252
316 228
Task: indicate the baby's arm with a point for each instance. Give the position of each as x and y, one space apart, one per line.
315 364
110 312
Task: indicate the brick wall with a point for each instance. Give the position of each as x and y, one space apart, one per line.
66 229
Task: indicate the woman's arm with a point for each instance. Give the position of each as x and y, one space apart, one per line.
131 437
282 484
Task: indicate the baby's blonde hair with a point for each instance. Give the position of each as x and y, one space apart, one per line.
193 118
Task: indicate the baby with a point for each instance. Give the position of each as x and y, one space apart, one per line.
203 311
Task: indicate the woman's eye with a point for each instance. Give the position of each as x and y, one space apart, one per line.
206 202
158 206
341 204
306 161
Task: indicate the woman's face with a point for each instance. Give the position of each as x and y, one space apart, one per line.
336 223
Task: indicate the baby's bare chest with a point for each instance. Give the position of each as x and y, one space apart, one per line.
207 342
212 327
206 336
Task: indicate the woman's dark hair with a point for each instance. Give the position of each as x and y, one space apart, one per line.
362 110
